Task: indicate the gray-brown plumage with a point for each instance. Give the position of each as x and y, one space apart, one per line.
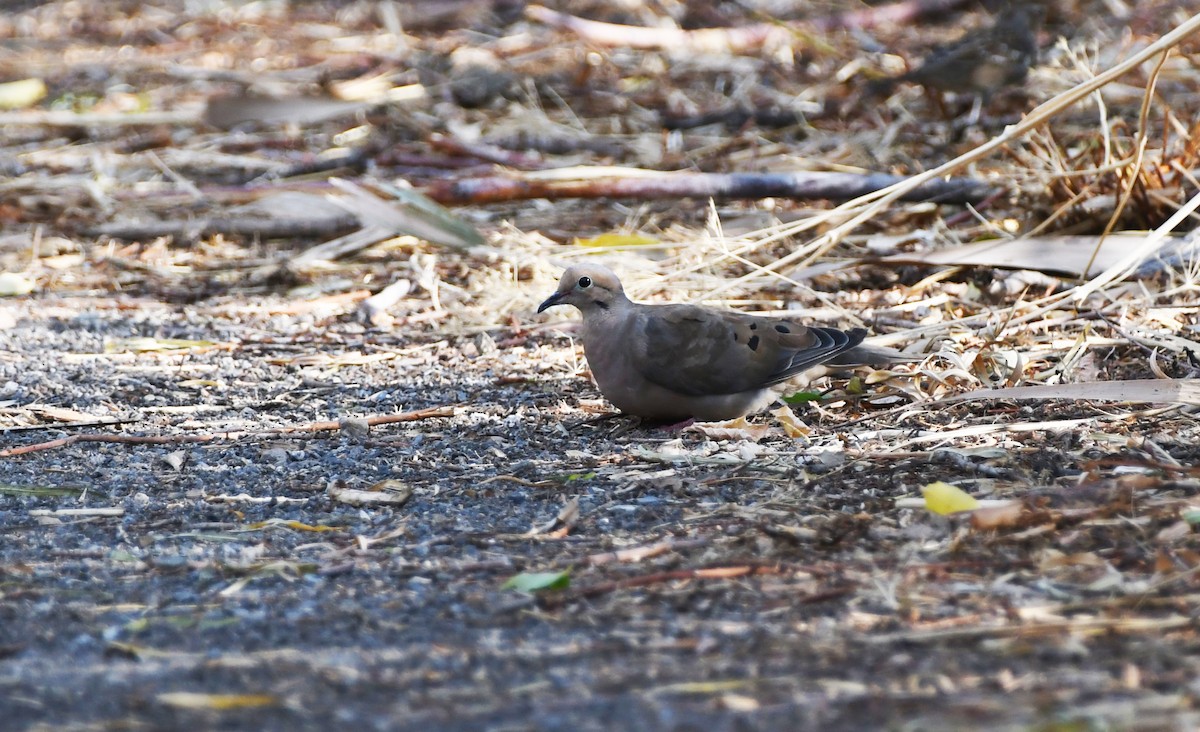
983 61
672 362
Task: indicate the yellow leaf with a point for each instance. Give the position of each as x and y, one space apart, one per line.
22 93
216 702
791 423
943 499
15 283
291 524
617 240
144 344
878 376
704 687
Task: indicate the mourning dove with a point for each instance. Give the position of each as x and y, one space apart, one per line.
983 61
672 362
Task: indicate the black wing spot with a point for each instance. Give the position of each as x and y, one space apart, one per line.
782 329
753 342
754 326
735 336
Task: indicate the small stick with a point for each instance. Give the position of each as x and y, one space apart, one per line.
129 439
371 421
251 226
719 186
483 151
735 40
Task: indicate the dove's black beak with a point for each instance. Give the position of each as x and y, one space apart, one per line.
551 301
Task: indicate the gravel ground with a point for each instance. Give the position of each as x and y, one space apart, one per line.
229 584
230 504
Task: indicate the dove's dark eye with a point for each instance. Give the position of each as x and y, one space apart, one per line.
585 282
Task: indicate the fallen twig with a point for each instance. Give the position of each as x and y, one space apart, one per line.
711 40
67 425
648 551
893 14
127 439
719 186
253 226
484 151
655 578
748 569
1084 625
371 421
734 40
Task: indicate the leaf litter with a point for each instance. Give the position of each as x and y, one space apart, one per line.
272 492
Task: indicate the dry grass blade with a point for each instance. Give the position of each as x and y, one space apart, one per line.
852 214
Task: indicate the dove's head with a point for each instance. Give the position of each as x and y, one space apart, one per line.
588 287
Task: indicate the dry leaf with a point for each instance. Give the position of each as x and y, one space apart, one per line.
731 429
791 423
60 414
176 459
1174 532
569 513
997 516
388 492
561 524
357 428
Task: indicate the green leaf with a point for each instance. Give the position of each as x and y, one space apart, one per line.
7 489
801 397
538 581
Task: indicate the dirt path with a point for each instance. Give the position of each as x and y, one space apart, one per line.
233 497
716 584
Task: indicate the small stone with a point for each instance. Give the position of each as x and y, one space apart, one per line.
355 428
